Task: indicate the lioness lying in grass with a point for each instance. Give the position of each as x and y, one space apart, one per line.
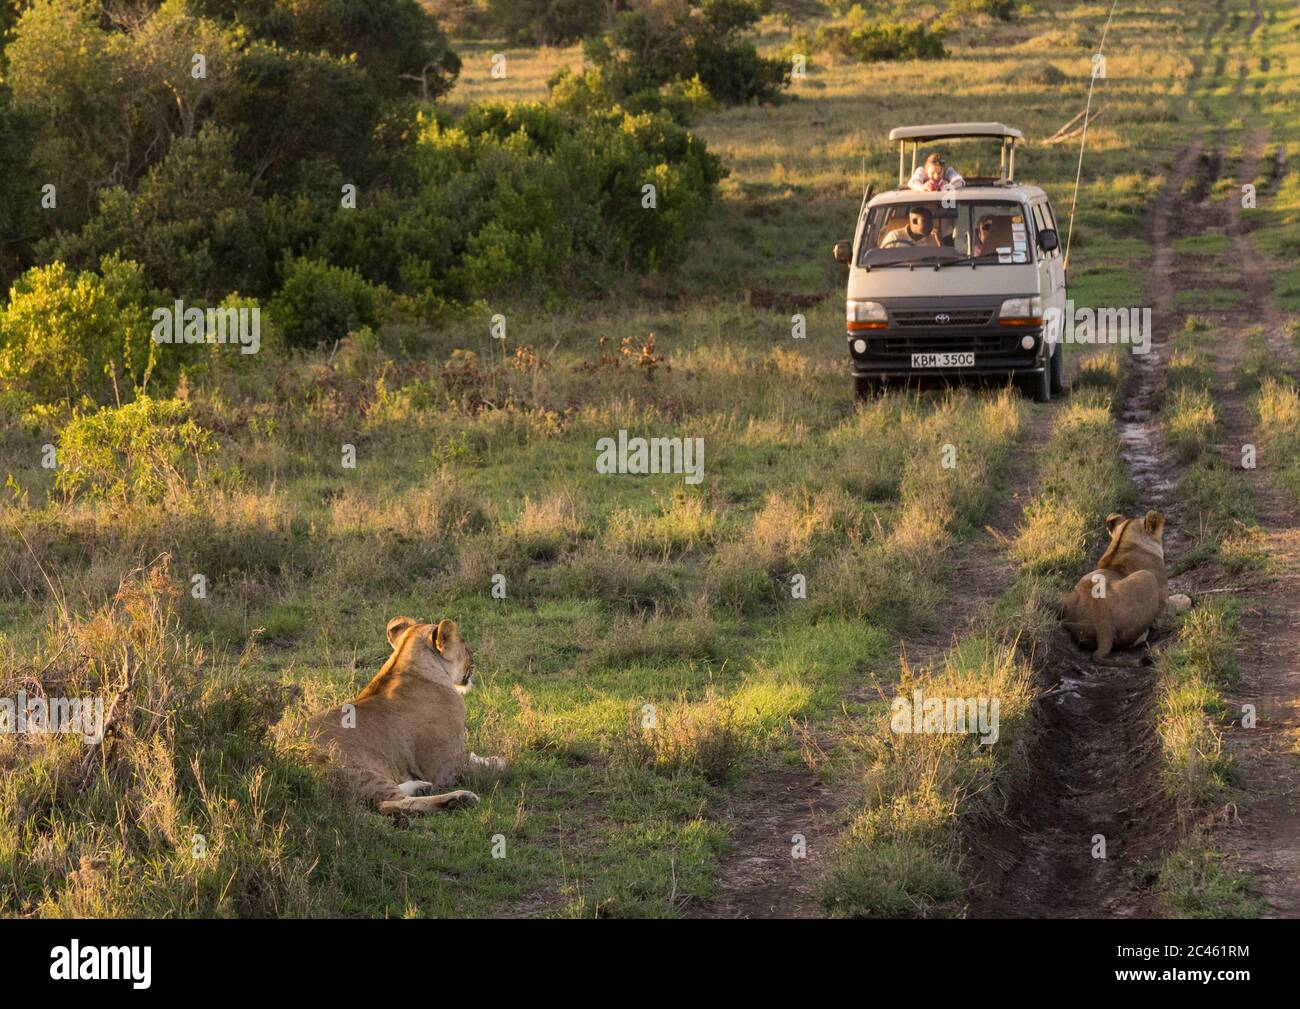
1115 605
403 737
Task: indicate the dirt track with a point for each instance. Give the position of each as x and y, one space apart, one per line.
1094 763
1094 758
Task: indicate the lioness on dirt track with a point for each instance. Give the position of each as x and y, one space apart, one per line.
1115 604
403 737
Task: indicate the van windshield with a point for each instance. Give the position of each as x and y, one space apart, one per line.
993 232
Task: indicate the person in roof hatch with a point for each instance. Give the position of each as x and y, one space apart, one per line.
935 175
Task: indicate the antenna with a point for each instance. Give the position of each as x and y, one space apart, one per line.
1083 140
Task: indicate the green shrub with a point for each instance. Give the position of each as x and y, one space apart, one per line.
19 190
546 22
684 101
396 43
144 451
653 45
510 196
192 223
66 337
878 41
1003 10
320 303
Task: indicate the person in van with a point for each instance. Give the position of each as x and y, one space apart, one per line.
984 236
935 175
992 232
919 230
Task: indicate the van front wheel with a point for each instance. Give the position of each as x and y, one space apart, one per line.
1038 387
1058 370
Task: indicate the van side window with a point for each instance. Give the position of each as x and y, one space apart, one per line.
1050 218
1037 209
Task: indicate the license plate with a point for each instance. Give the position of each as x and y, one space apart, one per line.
964 360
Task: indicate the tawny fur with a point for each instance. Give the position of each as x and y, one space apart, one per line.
408 739
1114 605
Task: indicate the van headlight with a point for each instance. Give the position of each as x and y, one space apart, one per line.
866 315
1021 312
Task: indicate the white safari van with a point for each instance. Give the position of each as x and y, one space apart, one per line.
956 282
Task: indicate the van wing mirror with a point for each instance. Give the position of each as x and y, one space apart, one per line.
843 251
1049 240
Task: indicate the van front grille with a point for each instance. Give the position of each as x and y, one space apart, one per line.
933 317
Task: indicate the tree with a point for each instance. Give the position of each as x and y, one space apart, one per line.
64 71
192 223
658 42
19 190
396 42
291 107
792 12
548 22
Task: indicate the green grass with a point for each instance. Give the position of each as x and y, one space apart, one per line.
1195 882
475 469
901 853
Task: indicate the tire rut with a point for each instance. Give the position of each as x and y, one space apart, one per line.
1093 773
1263 836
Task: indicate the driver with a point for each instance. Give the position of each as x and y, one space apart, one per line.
919 231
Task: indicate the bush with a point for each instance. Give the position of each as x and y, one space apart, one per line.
546 22
1003 10
328 112
192 223
143 452
396 43
320 303
66 337
878 41
685 102
654 45
509 196
19 189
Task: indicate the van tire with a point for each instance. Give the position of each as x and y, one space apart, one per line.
1058 370
865 387
1038 387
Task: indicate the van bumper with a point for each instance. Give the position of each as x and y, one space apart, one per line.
888 353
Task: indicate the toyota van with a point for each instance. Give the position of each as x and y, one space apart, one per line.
956 283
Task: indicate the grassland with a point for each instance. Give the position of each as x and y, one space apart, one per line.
475 460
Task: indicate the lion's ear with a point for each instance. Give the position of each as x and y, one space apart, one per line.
447 638
1154 523
397 627
1112 519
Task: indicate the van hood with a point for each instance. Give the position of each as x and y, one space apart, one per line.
993 281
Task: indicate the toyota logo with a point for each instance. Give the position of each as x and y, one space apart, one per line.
943 318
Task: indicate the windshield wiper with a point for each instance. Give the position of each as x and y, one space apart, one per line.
938 261
960 260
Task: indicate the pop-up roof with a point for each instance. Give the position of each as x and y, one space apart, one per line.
917 135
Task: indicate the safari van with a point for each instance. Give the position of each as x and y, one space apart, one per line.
970 297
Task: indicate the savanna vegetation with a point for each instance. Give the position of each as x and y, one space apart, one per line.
480 236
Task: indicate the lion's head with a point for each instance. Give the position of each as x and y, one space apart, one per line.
1145 535
433 651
